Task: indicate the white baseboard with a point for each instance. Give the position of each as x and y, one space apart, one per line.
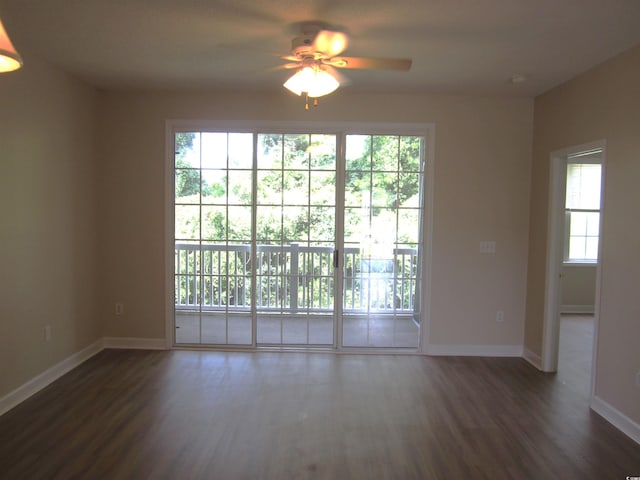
50 375
475 350
533 358
616 418
135 343
578 309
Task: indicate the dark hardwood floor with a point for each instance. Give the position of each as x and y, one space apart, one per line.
217 415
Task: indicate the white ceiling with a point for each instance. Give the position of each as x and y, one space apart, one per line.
457 46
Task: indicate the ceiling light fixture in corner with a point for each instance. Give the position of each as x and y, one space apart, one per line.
518 78
10 59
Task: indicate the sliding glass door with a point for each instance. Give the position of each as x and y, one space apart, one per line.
213 238
297 239
382 228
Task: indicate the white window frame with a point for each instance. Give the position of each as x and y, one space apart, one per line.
594 157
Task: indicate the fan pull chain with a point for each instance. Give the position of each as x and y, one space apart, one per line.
306 102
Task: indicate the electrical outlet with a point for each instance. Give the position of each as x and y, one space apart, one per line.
119 309
500 316
47 333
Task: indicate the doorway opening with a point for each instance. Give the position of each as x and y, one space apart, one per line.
573 263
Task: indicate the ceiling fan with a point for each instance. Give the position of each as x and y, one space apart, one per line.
316 57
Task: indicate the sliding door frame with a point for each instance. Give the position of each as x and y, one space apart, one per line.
341 130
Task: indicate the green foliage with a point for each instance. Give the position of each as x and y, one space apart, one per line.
187 180
184 142
296 176
382 188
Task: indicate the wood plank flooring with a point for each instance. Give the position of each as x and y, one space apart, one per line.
128 414
575 356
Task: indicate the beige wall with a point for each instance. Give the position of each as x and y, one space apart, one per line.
482 168
48 234
578 288
604 103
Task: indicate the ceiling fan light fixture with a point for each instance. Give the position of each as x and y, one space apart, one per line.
313 81
10 59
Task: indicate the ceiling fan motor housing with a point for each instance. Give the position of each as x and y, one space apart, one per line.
303 46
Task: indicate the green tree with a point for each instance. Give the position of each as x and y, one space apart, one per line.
390 154
188 178
184 142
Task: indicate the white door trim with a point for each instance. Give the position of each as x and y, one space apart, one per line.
555 249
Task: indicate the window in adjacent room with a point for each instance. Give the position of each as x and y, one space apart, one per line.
582 207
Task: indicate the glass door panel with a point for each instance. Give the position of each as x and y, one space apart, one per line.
212 209
382 228
295 237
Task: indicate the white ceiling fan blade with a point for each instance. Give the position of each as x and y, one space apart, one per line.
330 43
400 64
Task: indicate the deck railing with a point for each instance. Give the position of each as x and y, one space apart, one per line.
293 278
